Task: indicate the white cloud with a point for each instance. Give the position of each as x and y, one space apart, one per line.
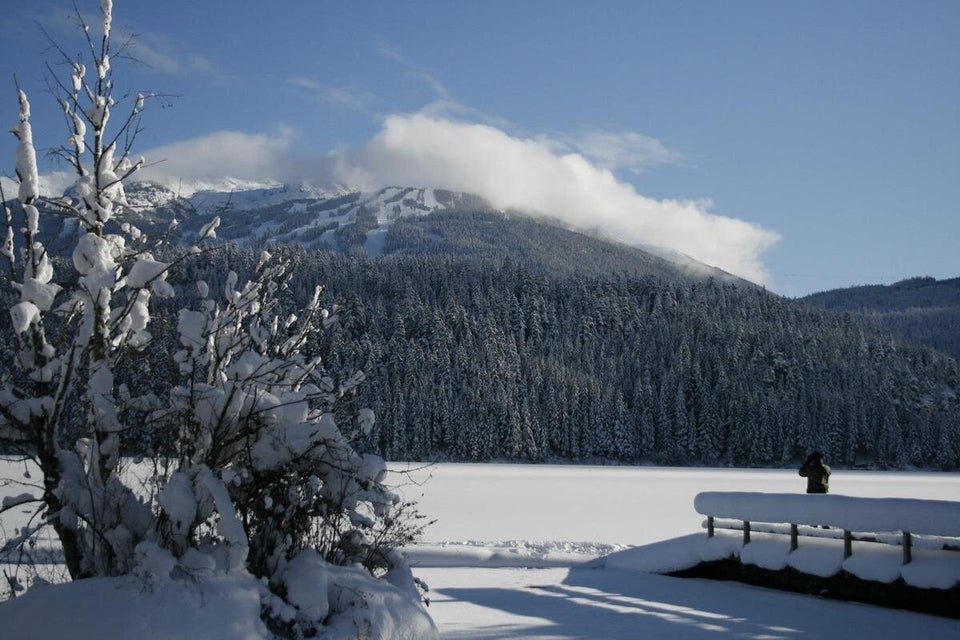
53 184
628 150
162 54
350 98
416 72
190 164
530 174
434 149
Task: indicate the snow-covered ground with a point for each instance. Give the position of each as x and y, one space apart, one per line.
545 552
495 519
618 505
580 604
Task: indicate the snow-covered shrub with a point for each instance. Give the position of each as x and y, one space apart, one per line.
254 418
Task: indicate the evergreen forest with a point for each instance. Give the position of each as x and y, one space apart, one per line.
923 309
485 337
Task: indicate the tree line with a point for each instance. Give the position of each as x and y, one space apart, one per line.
469 357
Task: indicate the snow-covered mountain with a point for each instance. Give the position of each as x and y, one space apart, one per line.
241 194
351 221
575 347
345 220
302 214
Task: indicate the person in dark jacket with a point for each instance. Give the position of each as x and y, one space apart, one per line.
817 473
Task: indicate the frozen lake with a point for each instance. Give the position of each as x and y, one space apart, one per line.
510 506
617 505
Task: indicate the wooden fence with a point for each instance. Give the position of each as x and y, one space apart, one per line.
933 524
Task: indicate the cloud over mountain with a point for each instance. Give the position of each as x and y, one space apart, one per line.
209 159
531 174
539 175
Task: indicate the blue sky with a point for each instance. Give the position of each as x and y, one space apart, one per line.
807 145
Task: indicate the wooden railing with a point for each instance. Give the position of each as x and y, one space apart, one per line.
933 524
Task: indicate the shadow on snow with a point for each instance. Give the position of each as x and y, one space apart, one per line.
615 605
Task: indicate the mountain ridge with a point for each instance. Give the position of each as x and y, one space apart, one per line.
489 334
349 220
921 309
910 293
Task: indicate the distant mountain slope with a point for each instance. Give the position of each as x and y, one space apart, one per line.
392 220
415 220
924 310
477 356
493 335
538 243
283 214
914 293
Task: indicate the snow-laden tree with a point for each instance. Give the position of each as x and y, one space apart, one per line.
70 339
258 479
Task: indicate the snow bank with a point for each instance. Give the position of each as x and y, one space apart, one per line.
154 606
767 552
660 557
219 608
925 517
825 559
932 569
361 607
877 562
508 553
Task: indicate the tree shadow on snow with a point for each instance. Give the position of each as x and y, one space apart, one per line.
620 605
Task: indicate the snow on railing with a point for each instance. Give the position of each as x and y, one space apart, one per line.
867 519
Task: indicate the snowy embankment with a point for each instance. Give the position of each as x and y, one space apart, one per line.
510 553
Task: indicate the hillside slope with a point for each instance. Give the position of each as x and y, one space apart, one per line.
923 310
472 356
492 335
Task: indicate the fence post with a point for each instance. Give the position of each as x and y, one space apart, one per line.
746 532
907 547
793 537
847 544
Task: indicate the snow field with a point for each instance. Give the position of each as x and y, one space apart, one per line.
615 527
609 504
590 604
545 552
